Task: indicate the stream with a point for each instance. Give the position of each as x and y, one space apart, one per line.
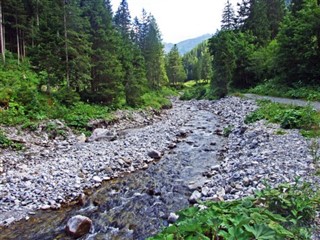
137 205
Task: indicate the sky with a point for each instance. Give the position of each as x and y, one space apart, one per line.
179 20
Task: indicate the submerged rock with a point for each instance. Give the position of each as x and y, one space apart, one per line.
78 226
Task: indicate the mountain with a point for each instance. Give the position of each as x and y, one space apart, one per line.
187 45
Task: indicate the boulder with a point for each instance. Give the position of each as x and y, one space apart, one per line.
78 226
102 133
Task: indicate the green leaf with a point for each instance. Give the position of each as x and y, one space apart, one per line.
261 231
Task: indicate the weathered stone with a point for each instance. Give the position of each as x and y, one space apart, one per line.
195 197
154 154
101 133
173 218
97 179
78 226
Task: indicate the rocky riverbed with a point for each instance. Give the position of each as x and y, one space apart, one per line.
52 173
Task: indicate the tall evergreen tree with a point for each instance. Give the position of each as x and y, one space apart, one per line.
299 48
132 62
152 50
228 17
224 62
107 72
175 70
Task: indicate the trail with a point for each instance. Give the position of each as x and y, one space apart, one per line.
295 102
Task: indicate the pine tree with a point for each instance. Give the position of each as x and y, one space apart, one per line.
107 72
122 18
175 70
224 57
152 50
298 59
134 79
228 17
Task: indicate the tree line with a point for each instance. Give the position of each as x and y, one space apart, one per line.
264 40
81 48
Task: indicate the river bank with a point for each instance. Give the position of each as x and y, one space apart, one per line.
241 162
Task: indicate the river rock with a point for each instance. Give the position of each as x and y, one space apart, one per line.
196 195
173 218
102 133
81 138
154 154
78 226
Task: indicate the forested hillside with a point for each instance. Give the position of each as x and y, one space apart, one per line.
187 45
57 52
269 47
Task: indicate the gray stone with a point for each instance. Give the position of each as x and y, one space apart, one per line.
101 133
154 154
196 195
173 218
78 226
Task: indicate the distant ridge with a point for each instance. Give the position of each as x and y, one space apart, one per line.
187 45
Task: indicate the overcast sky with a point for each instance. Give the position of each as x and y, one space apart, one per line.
179 20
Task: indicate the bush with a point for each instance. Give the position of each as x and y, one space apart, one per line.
285 212
304 118
199 91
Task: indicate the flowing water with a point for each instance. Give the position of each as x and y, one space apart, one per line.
137 205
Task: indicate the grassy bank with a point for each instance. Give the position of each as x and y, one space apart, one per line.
273 88
304 118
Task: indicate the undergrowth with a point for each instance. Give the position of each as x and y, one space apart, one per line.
7 143
196 90
285 212
273 88
26 101
304 118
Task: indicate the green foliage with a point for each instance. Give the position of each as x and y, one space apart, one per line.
227 130
198 91
7 143
304 118
285 212
224 62
298 58
174 67
158 99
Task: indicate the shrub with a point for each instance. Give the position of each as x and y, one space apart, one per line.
285 212
304 118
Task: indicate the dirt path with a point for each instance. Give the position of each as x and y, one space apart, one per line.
295 102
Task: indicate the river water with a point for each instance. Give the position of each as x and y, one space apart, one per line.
137 205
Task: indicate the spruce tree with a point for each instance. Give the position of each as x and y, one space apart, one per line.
224 62
107 72
228 17
134 79
175 70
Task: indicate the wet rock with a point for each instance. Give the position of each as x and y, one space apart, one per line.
78 226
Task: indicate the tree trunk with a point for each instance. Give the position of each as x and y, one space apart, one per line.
37 14
2 41
18 40
18 45
66 44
